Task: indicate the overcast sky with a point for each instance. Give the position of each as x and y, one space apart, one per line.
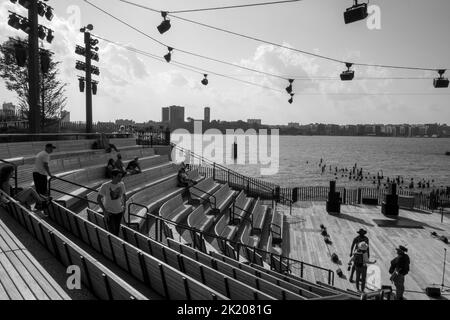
413 33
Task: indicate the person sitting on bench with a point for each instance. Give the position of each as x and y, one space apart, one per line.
183 178
133 166
26 196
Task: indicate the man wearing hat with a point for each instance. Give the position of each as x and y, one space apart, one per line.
361 237
399 269
42 170
360 261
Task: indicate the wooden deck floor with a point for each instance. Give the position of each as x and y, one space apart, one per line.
303 241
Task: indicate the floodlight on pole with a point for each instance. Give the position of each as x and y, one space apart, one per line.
205 80
356 12
348 75
168 56
289 88
441 82
165 25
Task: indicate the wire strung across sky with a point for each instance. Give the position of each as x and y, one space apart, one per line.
236 6
280 45
201 71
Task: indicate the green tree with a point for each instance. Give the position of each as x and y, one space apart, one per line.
52 90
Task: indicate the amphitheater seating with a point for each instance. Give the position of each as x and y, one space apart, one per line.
175 210
164 279
195 176
241 207
224 229
307 289
247 238
259 213
202 191
93 177
208 273
242 275
221 199
22 276
276 228
199 220
190 260
103 283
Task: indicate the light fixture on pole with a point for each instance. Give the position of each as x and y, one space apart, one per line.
165 25
49 13
168 56
289 88
441 82
205 80
41 32
50 36
348 75
21 54
14 21
356 12
45 61
291 99
94 87
81 83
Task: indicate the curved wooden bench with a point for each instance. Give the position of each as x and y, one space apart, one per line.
276 227
174 209
157 274
199 220
200 192
221 199
259 216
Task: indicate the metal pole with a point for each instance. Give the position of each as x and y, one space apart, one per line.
33 70
443 271
87 43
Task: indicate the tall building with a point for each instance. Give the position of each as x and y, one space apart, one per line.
9 108
174 115
165 114
207 117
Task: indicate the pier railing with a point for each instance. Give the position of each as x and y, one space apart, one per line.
353 196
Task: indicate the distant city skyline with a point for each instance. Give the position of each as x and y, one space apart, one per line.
136 87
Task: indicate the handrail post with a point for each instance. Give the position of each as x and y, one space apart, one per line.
214 171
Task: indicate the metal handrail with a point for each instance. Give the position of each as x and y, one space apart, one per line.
233 243
67 181
243 217
207 193
16 184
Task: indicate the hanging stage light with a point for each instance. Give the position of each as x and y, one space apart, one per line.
80 66
205 80
41 32
21 54
25 26
14 21
165 25
94 87
441 82
81 84
45 61
291 99
289 88
356 12
80 50
25 3
348 75
41 8
168 56
49 13
50 36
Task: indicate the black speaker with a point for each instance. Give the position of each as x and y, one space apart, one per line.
335 258
339 273
433 292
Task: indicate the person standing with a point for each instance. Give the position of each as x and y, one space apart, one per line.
360 261
361 237
399 269
112 201
42 169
